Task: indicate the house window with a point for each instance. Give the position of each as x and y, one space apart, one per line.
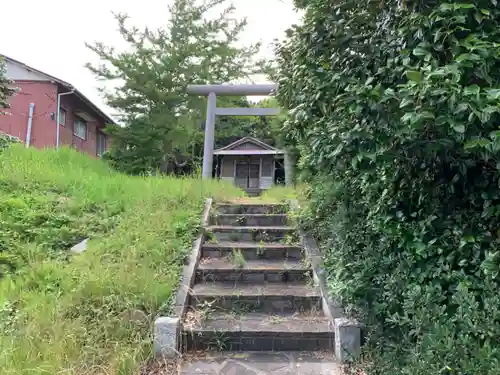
62 117
102 143
80 129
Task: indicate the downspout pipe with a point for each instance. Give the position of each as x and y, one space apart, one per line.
59 114
30 123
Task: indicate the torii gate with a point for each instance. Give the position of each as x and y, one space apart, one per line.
232 90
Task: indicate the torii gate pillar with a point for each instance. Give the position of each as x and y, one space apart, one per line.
227 90
208 146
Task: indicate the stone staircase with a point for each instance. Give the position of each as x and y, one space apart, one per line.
253 287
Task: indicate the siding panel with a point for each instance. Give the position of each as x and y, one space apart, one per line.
266 182
227 168
267 166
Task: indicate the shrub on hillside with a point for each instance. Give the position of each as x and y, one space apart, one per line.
6 89
7 140
395 106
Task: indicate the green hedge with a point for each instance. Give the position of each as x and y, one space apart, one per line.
395 106
7 140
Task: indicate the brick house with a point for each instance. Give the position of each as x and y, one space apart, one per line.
41 101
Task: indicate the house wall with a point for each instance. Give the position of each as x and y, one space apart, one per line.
227 167
71 104
43 130
267 172
18 72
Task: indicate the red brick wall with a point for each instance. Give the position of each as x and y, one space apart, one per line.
43 130
72 104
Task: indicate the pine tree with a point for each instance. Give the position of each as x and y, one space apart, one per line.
5 90
160 122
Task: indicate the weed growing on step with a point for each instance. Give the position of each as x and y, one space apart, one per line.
308 276
194 318
290 239
89 313
293 217
210 237
237 258
308 314
219 341
276 319
214 218
306 262
261 248
240 308
263 235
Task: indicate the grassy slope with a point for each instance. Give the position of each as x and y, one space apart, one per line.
75 317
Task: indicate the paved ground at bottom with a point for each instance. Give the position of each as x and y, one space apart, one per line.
261 363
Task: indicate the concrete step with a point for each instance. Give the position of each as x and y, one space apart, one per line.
265 298
223 233
263 220
251 363
253 192
252 251
250 208
236 268
257 332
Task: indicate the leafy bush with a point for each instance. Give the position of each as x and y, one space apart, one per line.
7 140
395 106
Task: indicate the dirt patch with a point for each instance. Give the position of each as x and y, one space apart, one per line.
161 367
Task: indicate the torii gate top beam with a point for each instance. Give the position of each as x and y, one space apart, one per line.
232 90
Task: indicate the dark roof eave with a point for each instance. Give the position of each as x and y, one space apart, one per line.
253 140
87 101
248 152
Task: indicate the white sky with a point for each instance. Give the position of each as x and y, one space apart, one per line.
50 35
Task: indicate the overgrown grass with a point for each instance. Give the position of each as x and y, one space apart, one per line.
89 313
279 194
